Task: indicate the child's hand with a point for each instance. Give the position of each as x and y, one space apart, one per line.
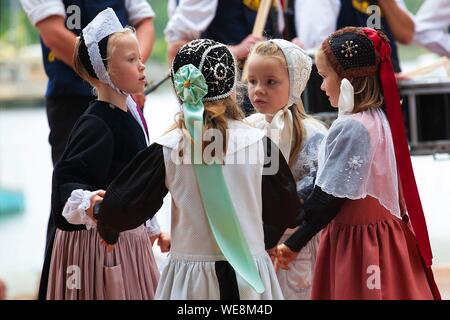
153 238
272 253
97 196
109 247
273 256
164 242
285 256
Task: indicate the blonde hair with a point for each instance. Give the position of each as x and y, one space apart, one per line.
270 49
215 116
80 68
368 91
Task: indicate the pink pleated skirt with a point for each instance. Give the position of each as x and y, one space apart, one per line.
82 269
367 253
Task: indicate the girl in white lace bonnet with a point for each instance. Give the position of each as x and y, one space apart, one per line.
277 75
365 193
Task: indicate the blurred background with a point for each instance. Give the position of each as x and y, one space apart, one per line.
26 166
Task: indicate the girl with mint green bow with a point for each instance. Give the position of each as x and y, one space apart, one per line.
233 194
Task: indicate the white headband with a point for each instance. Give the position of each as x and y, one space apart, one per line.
103 25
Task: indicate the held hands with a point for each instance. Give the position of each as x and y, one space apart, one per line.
285 256
282 256
273 256
164 242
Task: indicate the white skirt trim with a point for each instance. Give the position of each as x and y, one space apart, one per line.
194 278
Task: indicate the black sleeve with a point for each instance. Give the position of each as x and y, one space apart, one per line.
280 203
134 196
85 163
318 210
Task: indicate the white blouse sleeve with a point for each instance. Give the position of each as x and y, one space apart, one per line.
190 19
75 208
152 226
138 10
38 10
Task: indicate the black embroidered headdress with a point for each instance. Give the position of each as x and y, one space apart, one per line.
351 53
215 62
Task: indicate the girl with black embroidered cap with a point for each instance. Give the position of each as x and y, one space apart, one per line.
105 138
365 192
224 187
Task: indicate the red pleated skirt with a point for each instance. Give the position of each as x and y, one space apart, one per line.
367 253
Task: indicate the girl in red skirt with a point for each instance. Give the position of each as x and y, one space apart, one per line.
365 194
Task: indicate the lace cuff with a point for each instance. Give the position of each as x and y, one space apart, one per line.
152 227
75 208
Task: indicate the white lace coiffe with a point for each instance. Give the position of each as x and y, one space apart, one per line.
102 26
299 66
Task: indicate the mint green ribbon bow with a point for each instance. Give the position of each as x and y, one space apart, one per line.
191 87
